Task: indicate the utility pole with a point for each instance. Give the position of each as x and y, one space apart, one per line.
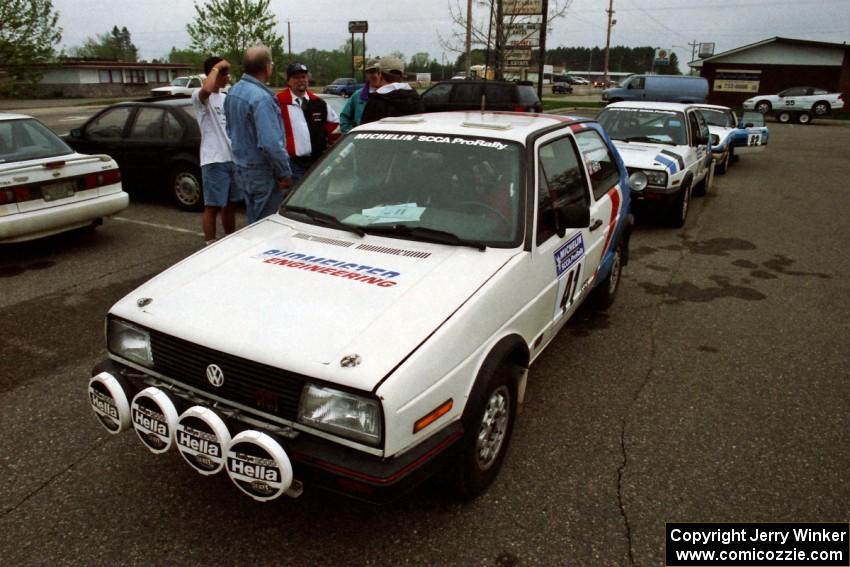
289 37
468 36
542 49
610 11
693 45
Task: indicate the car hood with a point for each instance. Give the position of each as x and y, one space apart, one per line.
650 156
301 297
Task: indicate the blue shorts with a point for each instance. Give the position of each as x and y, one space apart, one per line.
220 187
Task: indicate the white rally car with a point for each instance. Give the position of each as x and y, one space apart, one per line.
802 102
731 137
46 187
666 149
380 326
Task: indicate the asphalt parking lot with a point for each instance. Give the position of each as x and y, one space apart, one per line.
715 389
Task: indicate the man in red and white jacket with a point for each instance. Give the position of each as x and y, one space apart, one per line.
307 121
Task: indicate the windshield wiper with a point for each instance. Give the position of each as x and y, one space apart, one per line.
325 218
426 235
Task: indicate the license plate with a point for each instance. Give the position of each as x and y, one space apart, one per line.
56 191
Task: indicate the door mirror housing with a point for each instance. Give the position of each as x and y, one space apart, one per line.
574 215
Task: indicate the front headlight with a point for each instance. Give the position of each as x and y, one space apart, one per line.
128 341
341 413
638 181
656 178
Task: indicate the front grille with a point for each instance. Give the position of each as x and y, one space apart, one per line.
254 385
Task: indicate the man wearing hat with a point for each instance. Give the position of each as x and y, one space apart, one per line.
393 97
307 121
352 114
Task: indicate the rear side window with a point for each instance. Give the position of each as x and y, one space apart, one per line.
148 124
110 124
439 93
498 94
467 93
599 162
560 182
527 95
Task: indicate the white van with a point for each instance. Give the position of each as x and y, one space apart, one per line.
659 88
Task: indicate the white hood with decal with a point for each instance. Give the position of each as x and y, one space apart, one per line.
644 156
302 297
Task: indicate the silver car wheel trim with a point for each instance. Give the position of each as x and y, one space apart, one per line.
614 280
492 431
186 188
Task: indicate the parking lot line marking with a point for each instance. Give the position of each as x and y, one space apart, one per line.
156 225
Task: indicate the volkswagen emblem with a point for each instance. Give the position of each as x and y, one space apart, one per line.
215 375
350 361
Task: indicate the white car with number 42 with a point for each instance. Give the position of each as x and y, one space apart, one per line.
381 326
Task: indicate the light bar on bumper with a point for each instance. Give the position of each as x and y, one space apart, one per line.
341 413
654 177
129 341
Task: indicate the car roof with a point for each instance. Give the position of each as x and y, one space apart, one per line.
512 126
12 116
650 105
711 106
160 101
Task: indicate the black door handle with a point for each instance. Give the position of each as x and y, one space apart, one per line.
596 224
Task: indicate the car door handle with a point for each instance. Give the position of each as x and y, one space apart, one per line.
596 224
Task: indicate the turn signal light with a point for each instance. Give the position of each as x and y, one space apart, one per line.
15 194
433 416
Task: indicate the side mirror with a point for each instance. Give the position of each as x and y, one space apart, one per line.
631 86
574 215
76 133
702 140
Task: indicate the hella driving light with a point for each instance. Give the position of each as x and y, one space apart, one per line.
128 341
340 413
638 181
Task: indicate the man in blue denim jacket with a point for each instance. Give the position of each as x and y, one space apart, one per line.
256 135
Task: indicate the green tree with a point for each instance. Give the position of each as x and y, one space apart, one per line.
115 45
186 57
228 27
28 32
419 62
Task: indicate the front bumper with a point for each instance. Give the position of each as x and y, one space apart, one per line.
318 462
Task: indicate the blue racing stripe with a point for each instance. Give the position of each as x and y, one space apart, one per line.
668 163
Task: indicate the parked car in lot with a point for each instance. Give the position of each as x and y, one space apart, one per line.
344 86
180 86
660 88
731 137
46 187
337 103
666 150
797 102
427 260
470 94
561 88
156 142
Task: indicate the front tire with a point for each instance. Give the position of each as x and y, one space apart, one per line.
488 422
186 188
763 107
603 295
679 213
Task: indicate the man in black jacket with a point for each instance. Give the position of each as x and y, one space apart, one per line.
393 97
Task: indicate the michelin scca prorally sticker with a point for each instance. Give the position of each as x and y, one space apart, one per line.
568 254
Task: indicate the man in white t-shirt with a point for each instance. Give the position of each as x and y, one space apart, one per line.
221 193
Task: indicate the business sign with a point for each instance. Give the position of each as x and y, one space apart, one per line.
518 53
516 64
423 77
358 26
705 50
662 57
522 7
737 81
526 34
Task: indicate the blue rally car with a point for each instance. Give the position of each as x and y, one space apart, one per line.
731 137
427 262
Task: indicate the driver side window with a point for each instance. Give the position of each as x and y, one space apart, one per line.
560 182
110 124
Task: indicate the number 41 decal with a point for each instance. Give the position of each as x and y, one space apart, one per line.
569 296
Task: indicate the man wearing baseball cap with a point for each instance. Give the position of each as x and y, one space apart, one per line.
393 97
307 120
352 114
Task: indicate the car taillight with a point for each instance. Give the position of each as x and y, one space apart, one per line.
17 194
519 108
100 179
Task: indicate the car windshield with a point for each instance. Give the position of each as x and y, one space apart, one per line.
341 81
27 139
644 125
460 189
718 117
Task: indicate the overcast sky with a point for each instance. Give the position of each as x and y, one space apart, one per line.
411 26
